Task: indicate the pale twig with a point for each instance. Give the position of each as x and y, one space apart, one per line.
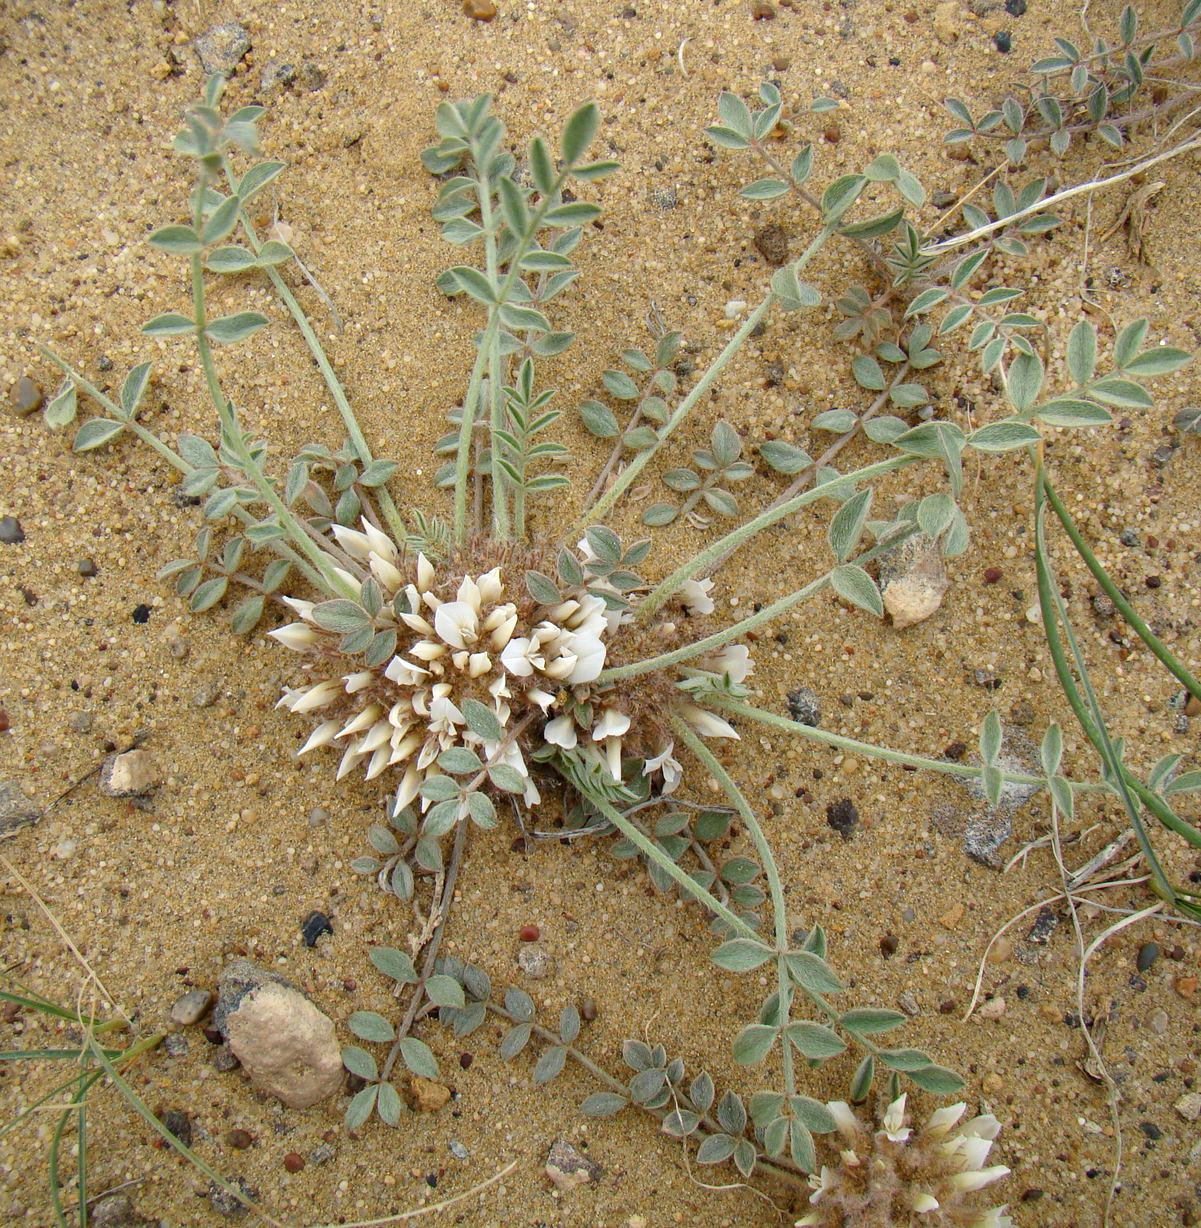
434 1206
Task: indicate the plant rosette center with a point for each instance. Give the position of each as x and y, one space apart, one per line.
430 661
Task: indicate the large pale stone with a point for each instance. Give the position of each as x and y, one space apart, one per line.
912 581
130 774
285 1044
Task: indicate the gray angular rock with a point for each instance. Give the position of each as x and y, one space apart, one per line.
285 1044
189 1008
221 46
568 1168
118 1211
16 810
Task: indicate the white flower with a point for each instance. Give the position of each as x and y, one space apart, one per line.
694 596
894 1119
561 732
733 662
706 723
666 763
977 1179
941 1120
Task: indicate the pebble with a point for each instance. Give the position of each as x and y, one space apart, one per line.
221 46
205 696
175 1044
529 933
26 396
946 22
276 73
912 580
734 308
428 1095
994 1008
1015 8
16 810
1185 986
11 533
224 1203
1189 1106
762 10
1148 953
1043 927
771 242
318 815
116 1211
1003 41
321 1154
951 918
88 569
190 1007
587 1009
1151 1130
535 961
805 707
909 1004
131 774
843 817
312 76
180 1124
287 1046
293 1161
568 1168
458 1150
224 1060
664 198
82 722
479 10
1129 537
313 926
239 1139
992 575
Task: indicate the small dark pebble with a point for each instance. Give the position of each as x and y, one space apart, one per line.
1148 953
141 613
224 1060
949 1007
1103 607
224 1203
87 568
105 363
1151 1130
179 1124
355 1083
771 242
293 1161
313 926
804 706
843 817
175 1044
1153 581
1002 41
11 533
213 1036
588 1009
1031 1195
888 945
239 1139
431 1179
955 751
1016 8
992 575
1023 992
1043 927
465 1060
1129 537
942 199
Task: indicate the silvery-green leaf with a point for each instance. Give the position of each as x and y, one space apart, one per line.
519 1004
95 433
418 1058
741 955
700 1093
847 525
853 584
231 259
389 1104
785 457
274 252
578 213
715 1149
360 1106
445 991
721 501
133 388
745 1157
599 419
507 778
765 189
734 113
814 1040
647 1084
812 973
620 385
169 324
840 196
228 329
1128 343
837 421
1082 351
340 615
61 411
1159 360
246 617
659 514
359 1062
550 1064
258 177
753 1043
481 809
937 1080
208 594
1123 393
514 1041
460 761
569 1024
481 720
441 818
1003 436
603 1104
179 240
1024 381
861 1082
680 1123
222 220
578 132
372 1026
990 737
1069 412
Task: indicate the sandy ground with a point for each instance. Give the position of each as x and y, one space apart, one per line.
224 860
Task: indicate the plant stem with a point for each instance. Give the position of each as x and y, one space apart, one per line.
775 888
870 750
595 514
736 537
353 431
656 855
1153 642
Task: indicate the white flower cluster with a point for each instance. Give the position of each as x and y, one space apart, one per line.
897 1175
473 645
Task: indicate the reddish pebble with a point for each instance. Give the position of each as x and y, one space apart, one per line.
529 933
293 1161
465 1060
239 1140
992 575
3 721
350 984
